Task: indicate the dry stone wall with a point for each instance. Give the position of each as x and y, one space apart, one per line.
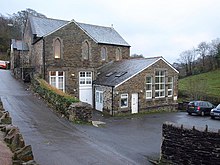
189 145
22 154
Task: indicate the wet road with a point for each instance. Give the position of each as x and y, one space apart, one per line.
56 141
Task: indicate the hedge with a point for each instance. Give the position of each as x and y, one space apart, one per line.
55 97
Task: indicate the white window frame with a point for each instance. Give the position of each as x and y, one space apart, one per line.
124 96
170 90
160 84
57 77
149 91
86 77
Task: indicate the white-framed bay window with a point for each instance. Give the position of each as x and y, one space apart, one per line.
148 87
124 100
160 84
170 86
57 79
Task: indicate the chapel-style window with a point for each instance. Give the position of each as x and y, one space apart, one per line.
57 48
85 50
104 53
160 84
118 54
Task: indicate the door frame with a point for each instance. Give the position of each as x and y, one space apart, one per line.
99 105
134 109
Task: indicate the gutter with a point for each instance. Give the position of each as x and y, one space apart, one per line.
44 63
112 100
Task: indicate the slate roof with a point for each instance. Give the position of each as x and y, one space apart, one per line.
43 26
100 34
17 44
115 73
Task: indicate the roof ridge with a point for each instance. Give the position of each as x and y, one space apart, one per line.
95 25
47 18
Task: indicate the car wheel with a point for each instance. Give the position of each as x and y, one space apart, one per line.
212 117
189 113
203 113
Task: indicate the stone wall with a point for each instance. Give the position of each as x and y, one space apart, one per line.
22 154
182 145
80 112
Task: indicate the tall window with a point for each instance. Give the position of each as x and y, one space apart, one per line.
85 50
124 100
118 54
56 79
148 87
104 53
85 78
57 48
170 86
159 84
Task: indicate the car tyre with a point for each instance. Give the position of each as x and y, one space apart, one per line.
189 113
212 117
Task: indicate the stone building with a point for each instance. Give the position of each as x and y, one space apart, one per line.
136 85
83 59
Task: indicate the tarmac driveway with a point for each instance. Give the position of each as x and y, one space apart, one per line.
56 141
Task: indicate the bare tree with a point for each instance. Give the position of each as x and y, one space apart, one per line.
187 58
203 50
137 56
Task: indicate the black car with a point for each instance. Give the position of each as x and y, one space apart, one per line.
215 112
199 107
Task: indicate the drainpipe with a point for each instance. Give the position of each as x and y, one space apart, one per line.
112 101
44 65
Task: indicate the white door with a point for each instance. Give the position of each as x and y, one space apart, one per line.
134 103
85 87
99 100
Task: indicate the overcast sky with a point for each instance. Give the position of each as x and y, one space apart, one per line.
152 27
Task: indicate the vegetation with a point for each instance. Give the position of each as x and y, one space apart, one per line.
204 58
58 99
11 28
203 86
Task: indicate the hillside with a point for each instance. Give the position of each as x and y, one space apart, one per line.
201 86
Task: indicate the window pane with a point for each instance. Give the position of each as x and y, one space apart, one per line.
57 48
82 81
148 94
60 73
101 97
148 87
170 79
148 80
124 100
88 81
53 81
60 82
82 74
53 73
88 74
97 97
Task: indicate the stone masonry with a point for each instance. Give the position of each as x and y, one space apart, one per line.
192 146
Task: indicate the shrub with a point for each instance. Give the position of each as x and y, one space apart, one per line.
58 99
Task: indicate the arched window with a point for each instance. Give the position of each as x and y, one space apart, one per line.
118 54
85 50
103 53
57 48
